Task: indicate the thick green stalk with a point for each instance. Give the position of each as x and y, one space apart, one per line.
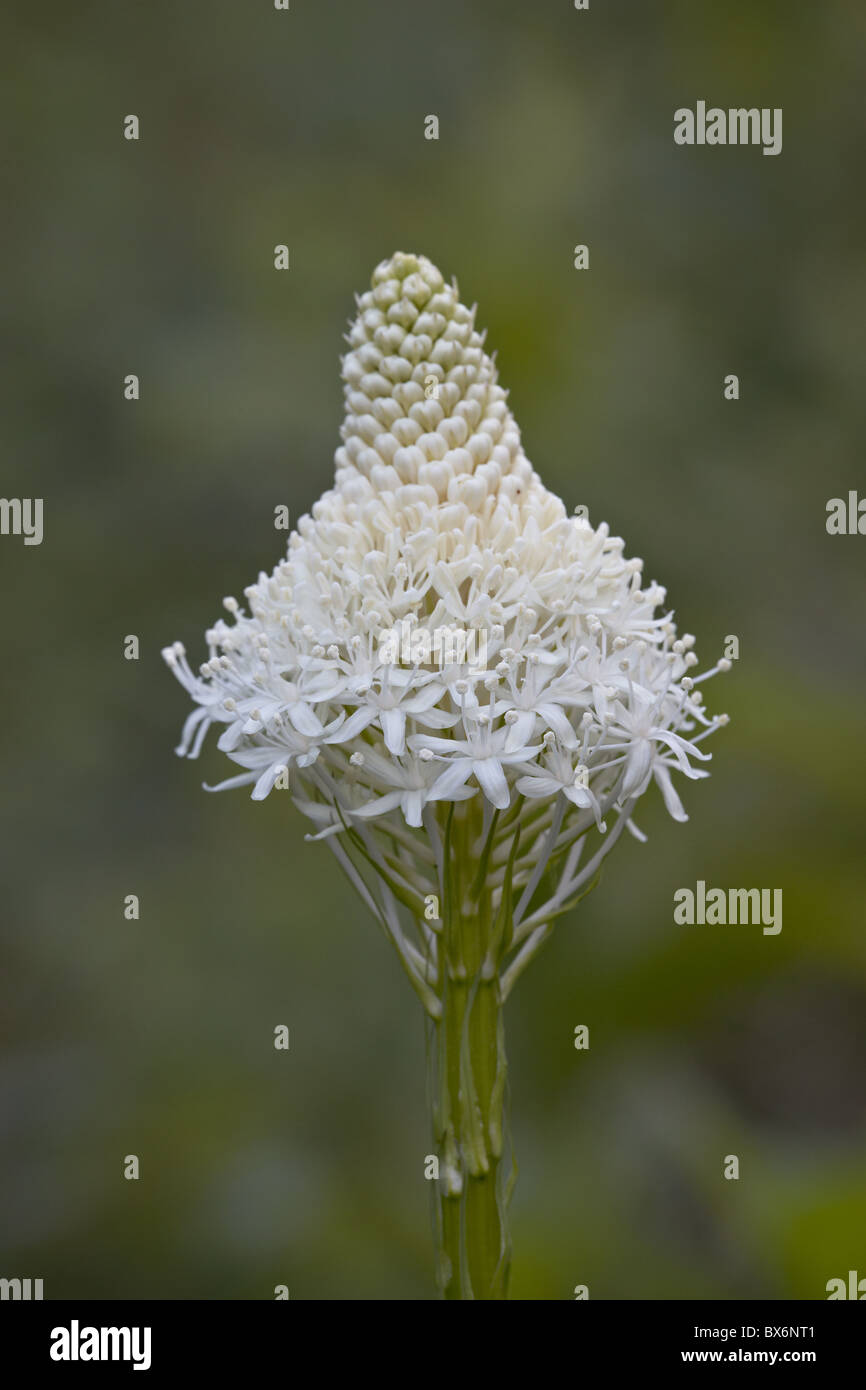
469 1080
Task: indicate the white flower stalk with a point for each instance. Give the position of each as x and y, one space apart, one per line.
470 801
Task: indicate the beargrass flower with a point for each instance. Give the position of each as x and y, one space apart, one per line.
469 802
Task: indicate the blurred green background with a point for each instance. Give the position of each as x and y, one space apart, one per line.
156 257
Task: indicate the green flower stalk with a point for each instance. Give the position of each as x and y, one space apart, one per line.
465 691
469 1074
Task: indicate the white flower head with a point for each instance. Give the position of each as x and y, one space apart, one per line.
437 519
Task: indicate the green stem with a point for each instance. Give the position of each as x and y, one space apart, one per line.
469 1082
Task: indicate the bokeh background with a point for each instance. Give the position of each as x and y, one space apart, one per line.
155 1037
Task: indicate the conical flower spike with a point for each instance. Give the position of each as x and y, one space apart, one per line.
465 691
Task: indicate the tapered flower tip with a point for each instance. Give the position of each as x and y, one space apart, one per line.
423 405
577 692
